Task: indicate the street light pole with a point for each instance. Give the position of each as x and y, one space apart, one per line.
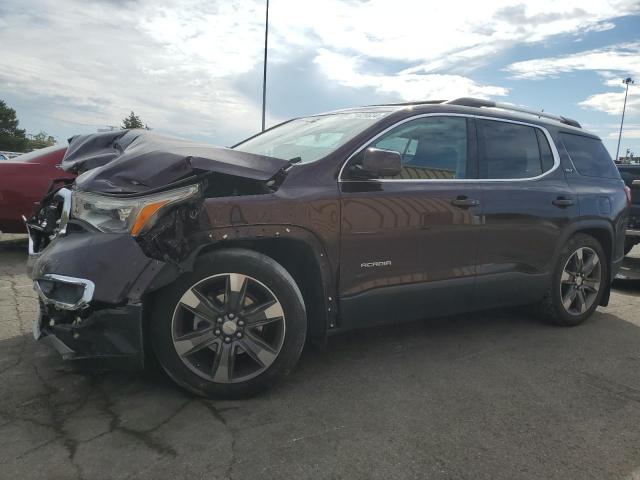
264 72
627 81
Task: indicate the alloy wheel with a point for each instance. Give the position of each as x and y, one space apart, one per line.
228 328
580 281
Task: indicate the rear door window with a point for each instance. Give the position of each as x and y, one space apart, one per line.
589 156
512 151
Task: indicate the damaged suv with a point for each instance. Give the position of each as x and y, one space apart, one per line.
224 262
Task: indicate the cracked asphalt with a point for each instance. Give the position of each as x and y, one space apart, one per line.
493 395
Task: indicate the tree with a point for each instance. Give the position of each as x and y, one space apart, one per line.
40 140
133 121
12 138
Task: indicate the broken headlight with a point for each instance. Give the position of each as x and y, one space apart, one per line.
133 214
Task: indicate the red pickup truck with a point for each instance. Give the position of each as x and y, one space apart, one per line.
24 180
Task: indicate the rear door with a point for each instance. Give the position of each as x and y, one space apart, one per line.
527 205
408 243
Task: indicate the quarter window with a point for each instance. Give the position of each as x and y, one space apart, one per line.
509 150
589 156
431 147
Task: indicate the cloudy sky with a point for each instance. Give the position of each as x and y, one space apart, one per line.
194 67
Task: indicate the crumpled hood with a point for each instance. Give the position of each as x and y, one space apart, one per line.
134 161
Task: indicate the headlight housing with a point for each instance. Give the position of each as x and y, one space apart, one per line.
133 214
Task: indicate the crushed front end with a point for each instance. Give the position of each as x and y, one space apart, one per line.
65 262
127 226
91 273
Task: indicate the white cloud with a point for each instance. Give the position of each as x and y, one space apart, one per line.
178 62
425 31
620 58
629 131
612 63
90 63
410 86
222 38
612 102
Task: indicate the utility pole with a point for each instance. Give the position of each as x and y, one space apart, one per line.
627 81
264 72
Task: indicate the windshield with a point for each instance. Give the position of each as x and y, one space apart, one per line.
308 139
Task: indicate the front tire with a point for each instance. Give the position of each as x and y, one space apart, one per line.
230 328
578 282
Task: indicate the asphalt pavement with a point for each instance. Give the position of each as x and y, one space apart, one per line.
493 395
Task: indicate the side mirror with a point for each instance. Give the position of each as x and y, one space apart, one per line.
381 163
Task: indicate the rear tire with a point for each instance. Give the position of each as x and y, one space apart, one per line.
230 328
578 282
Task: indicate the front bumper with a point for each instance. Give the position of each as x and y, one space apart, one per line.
91 286
107 338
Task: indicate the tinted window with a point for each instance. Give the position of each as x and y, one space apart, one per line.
589 156
509 150
431 147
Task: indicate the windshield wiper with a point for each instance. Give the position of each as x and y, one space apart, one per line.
294 160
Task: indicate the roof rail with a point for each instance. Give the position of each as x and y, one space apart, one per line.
408 104
477 102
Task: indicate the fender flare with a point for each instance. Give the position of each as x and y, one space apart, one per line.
590 224
220 237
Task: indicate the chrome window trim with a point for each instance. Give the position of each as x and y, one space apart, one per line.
552 145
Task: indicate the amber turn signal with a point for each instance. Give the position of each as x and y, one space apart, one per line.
145 214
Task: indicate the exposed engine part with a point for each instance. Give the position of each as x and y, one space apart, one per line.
45 224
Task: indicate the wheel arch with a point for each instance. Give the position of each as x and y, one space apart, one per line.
300 253
603 232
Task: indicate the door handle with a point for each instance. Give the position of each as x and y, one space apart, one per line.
465 202
563 202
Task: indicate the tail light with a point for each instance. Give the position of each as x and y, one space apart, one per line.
627 191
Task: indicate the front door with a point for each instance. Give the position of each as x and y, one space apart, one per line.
408 243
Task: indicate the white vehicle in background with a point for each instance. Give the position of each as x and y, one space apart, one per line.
8 155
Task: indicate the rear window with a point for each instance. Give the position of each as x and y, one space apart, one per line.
589 156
